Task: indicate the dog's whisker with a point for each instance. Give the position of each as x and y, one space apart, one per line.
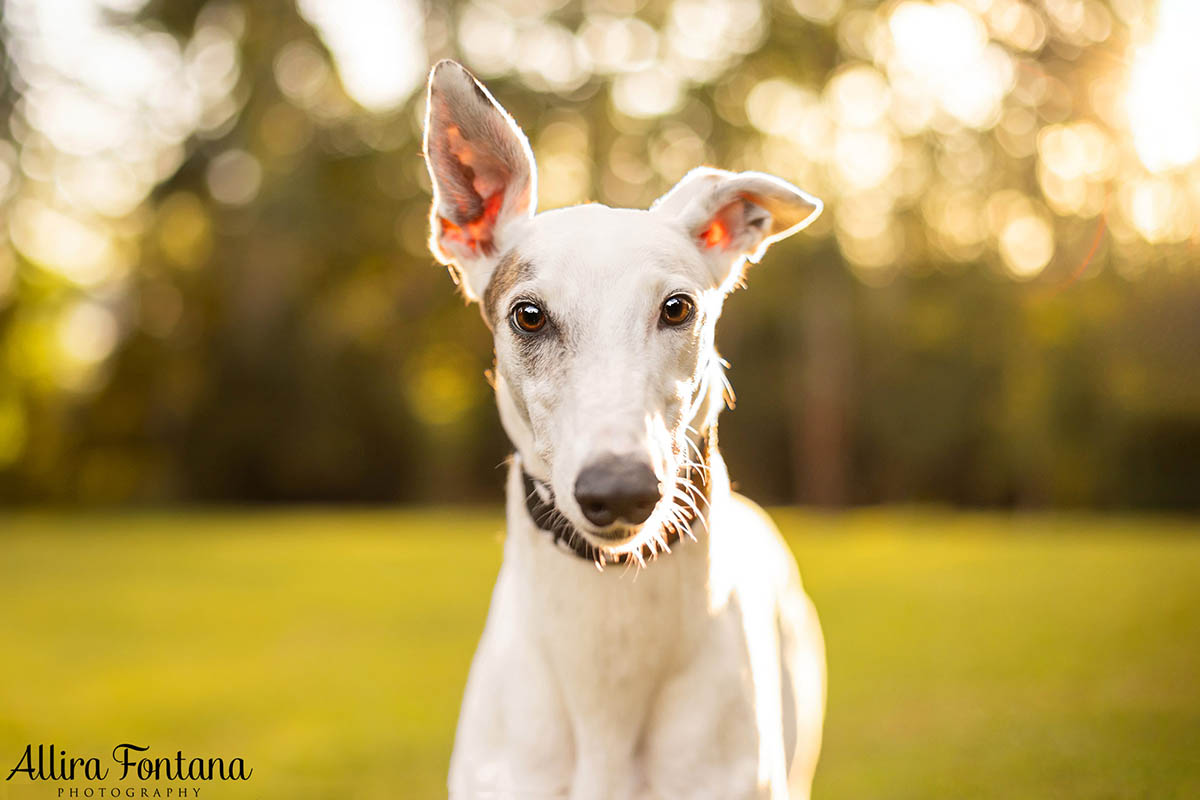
684 518
683 498
681 525
698 495
689 494
727 393
685 526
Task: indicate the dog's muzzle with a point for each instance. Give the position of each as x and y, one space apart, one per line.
694 483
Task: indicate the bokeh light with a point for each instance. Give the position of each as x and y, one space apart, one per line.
1163 99
378 46
173 176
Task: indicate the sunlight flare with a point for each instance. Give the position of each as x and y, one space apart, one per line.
1163 99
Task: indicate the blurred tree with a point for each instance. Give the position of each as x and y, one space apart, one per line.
214 283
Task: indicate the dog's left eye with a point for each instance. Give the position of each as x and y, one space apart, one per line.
528 317
677 309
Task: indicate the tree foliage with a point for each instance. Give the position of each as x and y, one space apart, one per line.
214 284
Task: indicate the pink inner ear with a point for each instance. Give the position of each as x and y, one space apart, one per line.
487 175
475 234
715 235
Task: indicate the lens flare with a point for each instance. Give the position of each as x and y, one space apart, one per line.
1163 100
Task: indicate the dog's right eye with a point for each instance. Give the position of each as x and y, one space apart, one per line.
527 317
677 310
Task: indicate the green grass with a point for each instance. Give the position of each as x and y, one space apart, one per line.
970 656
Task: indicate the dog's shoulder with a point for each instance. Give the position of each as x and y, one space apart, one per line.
746 536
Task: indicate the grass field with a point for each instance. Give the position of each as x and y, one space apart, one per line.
970 656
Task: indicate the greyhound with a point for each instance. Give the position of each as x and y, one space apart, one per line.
648 635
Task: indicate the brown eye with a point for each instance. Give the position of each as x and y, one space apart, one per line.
528 318
677 310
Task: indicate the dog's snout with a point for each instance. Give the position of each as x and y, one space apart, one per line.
615 488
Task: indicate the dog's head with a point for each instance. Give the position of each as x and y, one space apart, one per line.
603 318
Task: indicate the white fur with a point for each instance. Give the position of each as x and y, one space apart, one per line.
701 673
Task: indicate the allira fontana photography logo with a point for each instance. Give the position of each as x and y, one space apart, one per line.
128 763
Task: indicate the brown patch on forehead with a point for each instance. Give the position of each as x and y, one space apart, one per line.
511 270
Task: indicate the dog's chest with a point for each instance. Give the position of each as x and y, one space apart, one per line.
613 640
649 680
621 633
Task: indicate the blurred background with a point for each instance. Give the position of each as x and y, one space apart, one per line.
979 371
214 283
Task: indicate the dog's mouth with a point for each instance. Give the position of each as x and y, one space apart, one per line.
613 534
623 536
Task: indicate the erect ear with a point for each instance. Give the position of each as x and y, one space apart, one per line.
484 178
735 216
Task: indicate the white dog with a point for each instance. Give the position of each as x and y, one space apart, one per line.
648 634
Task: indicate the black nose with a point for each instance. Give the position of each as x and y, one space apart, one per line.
617 488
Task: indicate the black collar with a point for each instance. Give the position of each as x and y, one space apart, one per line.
539 501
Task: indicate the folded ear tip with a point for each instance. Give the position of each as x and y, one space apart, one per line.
817 204
805 207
